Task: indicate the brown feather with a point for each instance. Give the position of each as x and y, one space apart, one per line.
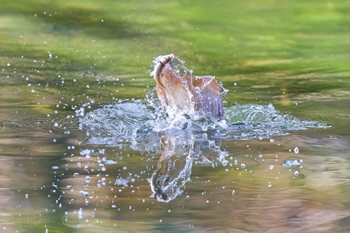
175 89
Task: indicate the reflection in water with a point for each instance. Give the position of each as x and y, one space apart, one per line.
29 175
175 165
180 141
173 170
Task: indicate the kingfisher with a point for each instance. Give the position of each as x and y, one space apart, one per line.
176 90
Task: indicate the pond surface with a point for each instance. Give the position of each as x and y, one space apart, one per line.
85 147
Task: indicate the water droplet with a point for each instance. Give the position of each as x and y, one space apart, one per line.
80 213
292 163
102 167
121 181
84 193
296 150
269 184
87 153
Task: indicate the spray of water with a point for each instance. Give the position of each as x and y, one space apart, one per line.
135 124
179 138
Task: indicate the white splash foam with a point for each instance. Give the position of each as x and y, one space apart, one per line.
139 123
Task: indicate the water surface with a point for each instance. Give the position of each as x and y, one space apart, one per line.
83 137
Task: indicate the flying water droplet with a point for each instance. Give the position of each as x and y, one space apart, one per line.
296 150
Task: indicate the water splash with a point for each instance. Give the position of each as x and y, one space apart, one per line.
179 136
138 124
181 140
263 121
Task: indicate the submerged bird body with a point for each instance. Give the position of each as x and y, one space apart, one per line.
178 91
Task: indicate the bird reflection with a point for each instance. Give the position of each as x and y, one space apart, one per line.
182 94
174 167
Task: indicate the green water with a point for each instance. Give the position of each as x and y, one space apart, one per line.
56 56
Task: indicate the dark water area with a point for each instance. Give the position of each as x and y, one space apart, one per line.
86 147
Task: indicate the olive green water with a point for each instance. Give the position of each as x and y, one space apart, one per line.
56 56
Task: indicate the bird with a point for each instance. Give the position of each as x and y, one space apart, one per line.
179 91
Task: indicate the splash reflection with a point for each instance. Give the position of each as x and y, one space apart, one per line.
174 167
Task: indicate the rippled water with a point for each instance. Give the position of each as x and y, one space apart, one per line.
86 147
